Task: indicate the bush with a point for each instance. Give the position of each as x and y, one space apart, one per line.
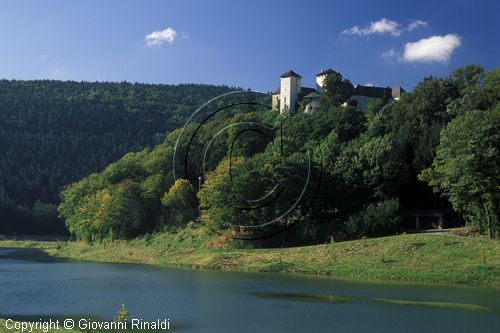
377 219
179 204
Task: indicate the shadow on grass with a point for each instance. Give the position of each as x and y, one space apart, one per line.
29 254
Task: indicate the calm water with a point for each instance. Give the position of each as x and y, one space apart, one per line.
33 285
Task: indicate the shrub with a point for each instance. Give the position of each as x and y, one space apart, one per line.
179 204
122 314
376 219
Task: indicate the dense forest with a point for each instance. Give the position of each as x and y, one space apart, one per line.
53 133
249 173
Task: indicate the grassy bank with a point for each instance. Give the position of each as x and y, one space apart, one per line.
417 258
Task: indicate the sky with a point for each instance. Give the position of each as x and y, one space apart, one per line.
245 44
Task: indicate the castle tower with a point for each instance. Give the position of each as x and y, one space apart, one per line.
289 90
321 77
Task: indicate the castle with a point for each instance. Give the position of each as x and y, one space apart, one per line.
290 93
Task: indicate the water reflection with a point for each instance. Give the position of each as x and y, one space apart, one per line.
35 285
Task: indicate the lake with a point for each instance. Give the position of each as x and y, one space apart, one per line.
34 286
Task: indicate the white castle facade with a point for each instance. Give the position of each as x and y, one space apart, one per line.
291 92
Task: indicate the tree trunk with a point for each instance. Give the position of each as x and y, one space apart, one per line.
488 221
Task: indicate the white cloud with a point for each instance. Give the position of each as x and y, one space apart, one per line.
432 49
44 57
390 54
160 37
381 26
384 26
416 24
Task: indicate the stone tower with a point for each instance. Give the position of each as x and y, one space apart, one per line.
321 77
289 90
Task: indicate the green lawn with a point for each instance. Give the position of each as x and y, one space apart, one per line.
416 258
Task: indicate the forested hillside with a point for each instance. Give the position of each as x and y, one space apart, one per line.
436 147
53 133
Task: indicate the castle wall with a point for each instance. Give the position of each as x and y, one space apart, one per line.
363 101
274 101
290 88
320 80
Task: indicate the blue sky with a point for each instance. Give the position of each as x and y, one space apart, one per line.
245 43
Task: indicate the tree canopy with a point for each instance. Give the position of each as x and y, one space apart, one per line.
53 133
466 167
336 171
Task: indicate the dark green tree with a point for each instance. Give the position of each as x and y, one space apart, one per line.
466 166
179 204
336 90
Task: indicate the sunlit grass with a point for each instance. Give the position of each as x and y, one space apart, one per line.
416 258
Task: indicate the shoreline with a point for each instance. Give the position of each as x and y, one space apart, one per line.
406 259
